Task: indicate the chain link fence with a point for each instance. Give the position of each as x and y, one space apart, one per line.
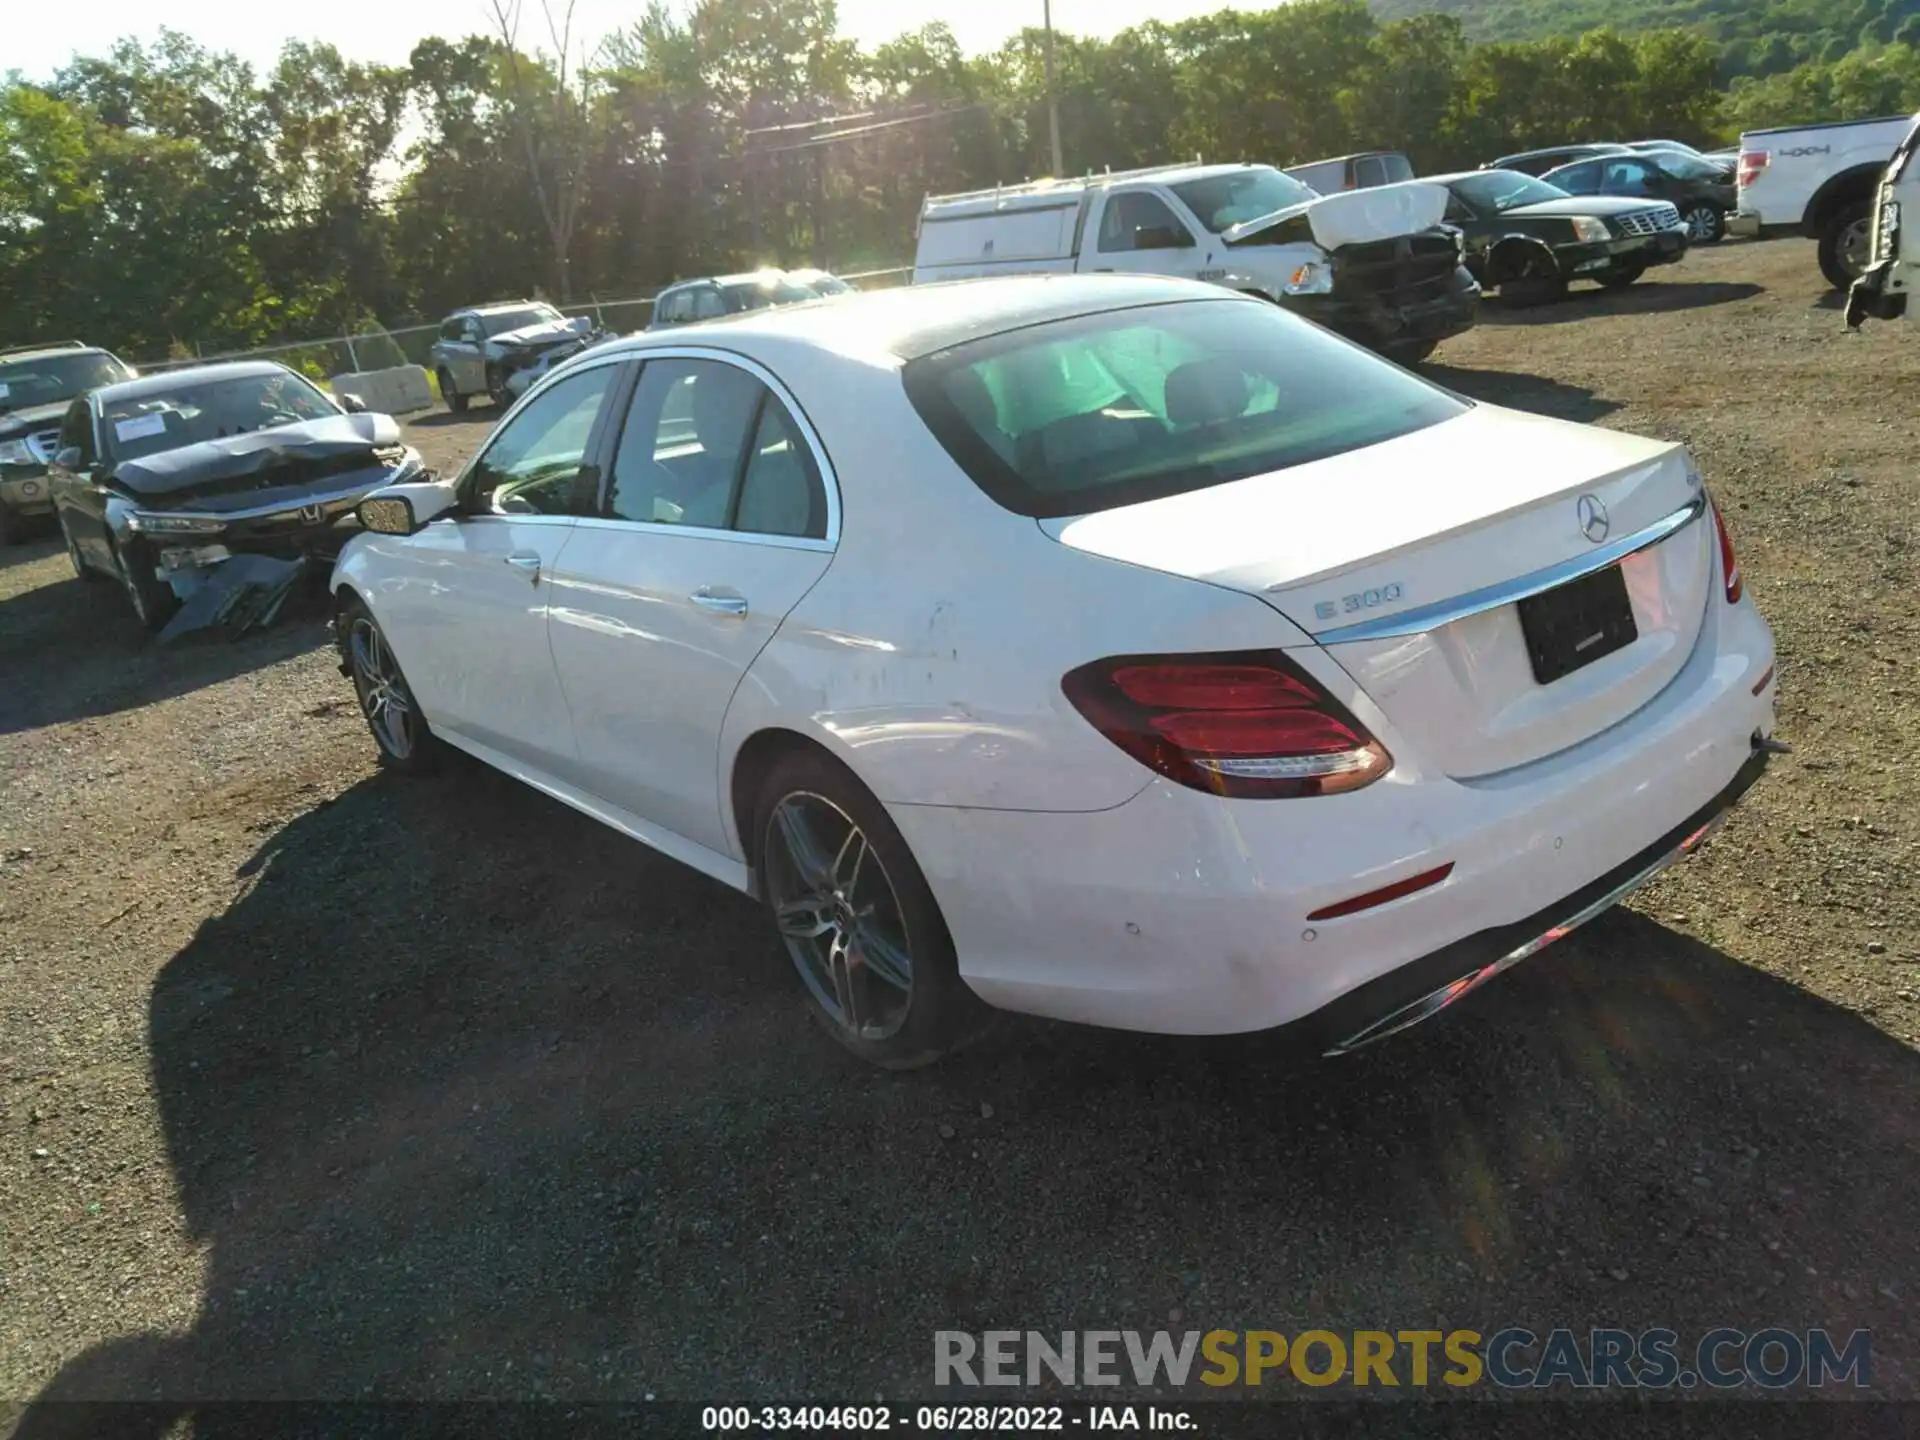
412 344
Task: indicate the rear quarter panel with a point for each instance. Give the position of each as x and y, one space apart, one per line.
929 657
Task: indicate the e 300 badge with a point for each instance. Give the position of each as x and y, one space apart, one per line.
1353 604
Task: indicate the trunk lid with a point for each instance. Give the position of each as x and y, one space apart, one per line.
1401 559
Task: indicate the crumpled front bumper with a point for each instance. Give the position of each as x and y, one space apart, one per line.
1385 319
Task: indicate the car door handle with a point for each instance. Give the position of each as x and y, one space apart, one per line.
529 563
718 602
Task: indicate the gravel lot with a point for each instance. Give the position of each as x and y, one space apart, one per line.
318 1083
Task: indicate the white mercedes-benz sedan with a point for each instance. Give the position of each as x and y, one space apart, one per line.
1116 649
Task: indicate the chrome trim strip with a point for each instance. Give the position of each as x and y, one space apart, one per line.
1458 989
704 532
1423 618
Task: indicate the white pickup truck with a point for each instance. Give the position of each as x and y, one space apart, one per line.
1376 265
1817 181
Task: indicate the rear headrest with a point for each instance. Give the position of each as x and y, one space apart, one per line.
1202 392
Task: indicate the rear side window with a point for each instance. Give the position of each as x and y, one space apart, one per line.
1396 168
1369 170
1129 405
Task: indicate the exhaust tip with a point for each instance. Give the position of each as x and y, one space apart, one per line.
1767 745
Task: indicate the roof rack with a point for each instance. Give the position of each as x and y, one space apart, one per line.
50 345
1051 183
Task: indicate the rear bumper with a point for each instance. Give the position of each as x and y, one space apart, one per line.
1180 912
1386 319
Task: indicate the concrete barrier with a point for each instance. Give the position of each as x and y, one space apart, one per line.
398 391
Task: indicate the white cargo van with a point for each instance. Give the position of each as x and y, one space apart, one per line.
1376 264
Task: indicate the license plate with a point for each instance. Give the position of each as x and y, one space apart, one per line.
1575 624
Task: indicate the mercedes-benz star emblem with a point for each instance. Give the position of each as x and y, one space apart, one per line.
1593 518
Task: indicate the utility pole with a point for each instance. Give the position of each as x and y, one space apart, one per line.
1053 105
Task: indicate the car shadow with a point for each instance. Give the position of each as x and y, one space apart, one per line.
1648 297
480 413
73 650
468 1098
1522 391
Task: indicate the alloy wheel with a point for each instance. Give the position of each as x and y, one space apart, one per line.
1701 226
839 916
384 697
1856 246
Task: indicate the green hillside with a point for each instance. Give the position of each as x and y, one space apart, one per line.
1754 37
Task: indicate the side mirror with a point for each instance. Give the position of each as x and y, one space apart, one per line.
408 508
68 459
1161 237
352 404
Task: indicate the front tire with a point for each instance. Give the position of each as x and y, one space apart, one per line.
449 392
152 599
1410 354
1845 244
400 732
1622 278
81 570
857 918
1538 283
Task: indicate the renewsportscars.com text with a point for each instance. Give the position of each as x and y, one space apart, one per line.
1514 1357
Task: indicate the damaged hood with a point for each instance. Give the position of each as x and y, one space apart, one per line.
547 332
259 459
30 417
1354 216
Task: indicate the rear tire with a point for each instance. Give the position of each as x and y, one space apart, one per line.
400 731
1844 243
1538 283
449 392
845 891
152 599
1705 224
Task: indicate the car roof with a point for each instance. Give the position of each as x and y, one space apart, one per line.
498 307
910 321
168 380
1585 147
40 352
1448 179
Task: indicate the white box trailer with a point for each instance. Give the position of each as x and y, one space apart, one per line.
1374 264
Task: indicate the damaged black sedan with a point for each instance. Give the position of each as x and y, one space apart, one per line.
189 488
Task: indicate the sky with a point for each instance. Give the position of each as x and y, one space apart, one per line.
39 36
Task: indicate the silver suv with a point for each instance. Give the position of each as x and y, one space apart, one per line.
484 349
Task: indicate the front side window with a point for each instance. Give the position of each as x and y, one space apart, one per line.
536 463
1369 170
49 379
1578 179
708 304
1111 409
1129 218
452 328
195 411
1223 201
705 444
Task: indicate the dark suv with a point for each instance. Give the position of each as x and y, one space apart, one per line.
36 384
1702 192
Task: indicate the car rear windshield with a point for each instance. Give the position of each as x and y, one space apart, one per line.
192 412
1091 413
759 294
49 379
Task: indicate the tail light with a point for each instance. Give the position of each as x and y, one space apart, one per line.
1729 566
1752 163
1247 724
